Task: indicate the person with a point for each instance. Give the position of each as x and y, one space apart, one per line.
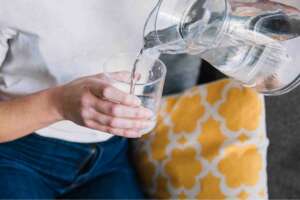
63 126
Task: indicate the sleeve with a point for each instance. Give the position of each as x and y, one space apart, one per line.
23 69
6 34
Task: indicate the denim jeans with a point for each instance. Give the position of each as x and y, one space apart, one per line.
40 167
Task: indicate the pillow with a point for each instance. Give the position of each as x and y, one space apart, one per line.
210 143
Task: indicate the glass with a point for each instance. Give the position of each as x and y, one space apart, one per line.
244 39
149 83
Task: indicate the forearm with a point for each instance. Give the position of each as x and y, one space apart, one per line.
91 102
22 116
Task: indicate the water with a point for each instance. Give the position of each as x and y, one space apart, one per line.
150 103
134 75
133 79
253 54
246 48
146 101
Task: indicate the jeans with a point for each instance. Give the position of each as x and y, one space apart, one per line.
40 167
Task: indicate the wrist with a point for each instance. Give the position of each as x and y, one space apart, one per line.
55 102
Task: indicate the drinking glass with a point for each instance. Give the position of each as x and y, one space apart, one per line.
149 79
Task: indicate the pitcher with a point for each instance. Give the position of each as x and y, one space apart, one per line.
244 39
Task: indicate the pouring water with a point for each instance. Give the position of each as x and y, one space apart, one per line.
241 38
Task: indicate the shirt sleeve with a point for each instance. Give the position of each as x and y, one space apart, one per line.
6 34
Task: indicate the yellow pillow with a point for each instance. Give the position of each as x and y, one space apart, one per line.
210 143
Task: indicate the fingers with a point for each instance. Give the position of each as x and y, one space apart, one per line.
120 123
103 88
115 131
111 110
124 76
121 111
115 95
110 93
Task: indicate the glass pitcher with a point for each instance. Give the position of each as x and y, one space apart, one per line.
244 39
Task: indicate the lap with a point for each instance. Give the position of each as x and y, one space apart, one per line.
119 184
29 168
18 182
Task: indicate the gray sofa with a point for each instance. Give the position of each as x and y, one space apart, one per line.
283 123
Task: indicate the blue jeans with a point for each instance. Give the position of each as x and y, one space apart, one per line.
39 167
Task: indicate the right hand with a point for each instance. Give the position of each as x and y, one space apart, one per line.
94 103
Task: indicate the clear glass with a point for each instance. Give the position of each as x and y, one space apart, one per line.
241 38
151 73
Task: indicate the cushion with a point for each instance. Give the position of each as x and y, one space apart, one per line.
210 143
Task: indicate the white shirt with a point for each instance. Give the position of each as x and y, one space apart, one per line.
44 43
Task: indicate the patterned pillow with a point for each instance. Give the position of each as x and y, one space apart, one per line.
210 143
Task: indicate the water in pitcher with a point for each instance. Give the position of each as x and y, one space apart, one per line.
246 48
252 57
258 58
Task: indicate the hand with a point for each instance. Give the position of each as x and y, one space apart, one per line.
94 103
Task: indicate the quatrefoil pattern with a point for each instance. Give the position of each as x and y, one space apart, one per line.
210 143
